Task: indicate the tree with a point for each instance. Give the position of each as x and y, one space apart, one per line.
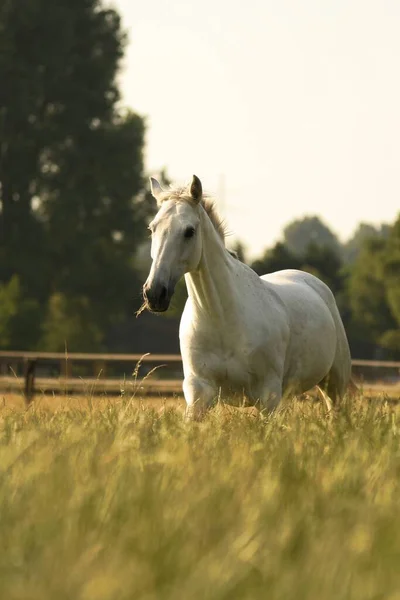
94 197
240 250
364 231
19 316
300 233
71 164
391 271
372 316
69 324
9 296
323 262
275 259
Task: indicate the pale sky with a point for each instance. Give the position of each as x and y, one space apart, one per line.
284 108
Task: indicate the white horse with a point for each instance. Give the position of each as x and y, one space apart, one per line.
243 338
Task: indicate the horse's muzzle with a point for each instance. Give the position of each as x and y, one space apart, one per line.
157 297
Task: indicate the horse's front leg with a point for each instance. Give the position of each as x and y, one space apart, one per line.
200 396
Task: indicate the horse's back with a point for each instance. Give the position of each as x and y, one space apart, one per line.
300 290
289 277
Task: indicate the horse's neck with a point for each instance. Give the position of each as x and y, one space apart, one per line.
211 286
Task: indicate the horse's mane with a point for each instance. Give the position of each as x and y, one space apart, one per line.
181 194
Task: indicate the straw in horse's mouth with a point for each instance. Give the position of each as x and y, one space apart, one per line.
145 306
142 308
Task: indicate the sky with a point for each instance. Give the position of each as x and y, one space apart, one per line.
283 108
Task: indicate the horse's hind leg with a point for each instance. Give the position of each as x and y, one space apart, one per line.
334 385
337 380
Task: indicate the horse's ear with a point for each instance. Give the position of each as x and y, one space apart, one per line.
196 190
156 189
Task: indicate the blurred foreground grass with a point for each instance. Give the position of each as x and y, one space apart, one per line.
126 502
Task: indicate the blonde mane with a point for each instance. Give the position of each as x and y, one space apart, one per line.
181 194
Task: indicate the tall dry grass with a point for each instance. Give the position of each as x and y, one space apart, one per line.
126 502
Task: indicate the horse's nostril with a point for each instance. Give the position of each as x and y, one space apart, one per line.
156 296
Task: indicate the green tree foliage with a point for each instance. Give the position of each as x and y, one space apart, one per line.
392 270
19 316
69 324
324 262
240 249
71 208
364 231
300 233
94 221
9 296
391 338
275 259
372 316
391 341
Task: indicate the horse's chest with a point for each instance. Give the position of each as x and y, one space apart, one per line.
230 359
228 368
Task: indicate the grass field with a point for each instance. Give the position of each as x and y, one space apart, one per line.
120 501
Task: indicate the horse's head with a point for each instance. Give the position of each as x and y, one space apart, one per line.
176 243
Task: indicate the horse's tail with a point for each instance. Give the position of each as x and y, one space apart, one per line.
352 388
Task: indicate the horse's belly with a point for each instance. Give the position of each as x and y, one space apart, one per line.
309 360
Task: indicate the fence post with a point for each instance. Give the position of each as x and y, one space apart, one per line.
30 366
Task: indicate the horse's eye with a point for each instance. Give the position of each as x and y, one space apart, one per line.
189 232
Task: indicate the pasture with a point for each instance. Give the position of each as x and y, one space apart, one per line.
119 500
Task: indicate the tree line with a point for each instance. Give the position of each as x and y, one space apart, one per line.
74 205
72 210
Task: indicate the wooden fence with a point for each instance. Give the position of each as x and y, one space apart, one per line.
14 365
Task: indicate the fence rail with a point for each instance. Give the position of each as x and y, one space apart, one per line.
358 362
12 361
73 356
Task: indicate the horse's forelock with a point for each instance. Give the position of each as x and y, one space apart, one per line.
181 194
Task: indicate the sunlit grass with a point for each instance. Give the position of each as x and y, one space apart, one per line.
127 502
